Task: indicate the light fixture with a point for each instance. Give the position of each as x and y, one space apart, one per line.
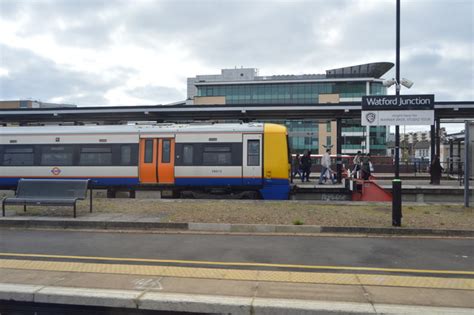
406 83
389 83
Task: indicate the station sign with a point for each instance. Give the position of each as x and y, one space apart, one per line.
392 110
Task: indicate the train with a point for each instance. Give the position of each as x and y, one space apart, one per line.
243 160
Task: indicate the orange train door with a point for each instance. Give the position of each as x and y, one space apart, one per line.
166 161
157 161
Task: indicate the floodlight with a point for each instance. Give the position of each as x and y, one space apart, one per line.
389 83
406 83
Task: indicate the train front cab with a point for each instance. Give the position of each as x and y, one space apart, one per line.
276 181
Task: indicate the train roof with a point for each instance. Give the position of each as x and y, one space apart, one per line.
132 129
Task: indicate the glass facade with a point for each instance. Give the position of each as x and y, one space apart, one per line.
304 134
377 88
278 93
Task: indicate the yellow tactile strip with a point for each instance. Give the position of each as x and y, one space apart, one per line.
249 275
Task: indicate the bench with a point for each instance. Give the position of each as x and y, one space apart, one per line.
49 192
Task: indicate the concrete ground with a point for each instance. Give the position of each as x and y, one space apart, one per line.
226 291
243 292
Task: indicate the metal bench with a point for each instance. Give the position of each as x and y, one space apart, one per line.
49 192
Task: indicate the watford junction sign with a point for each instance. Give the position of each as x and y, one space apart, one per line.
391 110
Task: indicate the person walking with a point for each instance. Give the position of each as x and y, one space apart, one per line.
296 167
435 171
326 168
366 167
356 161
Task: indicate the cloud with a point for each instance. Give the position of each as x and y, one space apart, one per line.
31 76
159 93
121 52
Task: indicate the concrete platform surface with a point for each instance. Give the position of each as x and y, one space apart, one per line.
196 293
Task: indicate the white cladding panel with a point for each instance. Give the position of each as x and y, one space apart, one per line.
156 135
208 171
68 138
69 171
208 137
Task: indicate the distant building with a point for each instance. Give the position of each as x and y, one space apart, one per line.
416 145
244 86
31 104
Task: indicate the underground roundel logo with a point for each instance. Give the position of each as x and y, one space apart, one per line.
56 170
370 117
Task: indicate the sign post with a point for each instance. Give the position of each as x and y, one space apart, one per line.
396 110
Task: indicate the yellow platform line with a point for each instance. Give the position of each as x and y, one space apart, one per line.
247 275
242 264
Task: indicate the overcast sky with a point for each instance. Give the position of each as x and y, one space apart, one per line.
113 52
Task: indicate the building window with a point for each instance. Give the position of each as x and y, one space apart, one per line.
328 126
253 153
328 141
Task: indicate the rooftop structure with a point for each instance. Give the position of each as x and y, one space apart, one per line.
246 87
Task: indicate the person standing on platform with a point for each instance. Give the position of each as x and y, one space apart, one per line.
296 167
435 171
326 168
306 165
367 167
356 161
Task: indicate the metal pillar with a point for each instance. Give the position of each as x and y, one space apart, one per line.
451 156
397 183
339 149
466 164
459 158
438 140
432 143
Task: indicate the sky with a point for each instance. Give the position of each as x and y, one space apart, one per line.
140 52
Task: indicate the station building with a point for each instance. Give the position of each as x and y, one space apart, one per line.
30 104
244 86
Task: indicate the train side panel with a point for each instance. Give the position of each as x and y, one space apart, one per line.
208 159
276 163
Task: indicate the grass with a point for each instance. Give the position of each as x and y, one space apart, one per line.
271 212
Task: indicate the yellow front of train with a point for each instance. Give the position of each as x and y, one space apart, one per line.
276 163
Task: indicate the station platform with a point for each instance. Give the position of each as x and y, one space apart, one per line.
415 188
125 286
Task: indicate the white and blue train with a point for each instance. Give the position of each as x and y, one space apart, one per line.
242 159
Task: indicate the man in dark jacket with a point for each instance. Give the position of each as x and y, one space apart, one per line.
435 171
306 165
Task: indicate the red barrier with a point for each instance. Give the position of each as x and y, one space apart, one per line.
367 190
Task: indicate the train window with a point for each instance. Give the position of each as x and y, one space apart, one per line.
53 155
149 151
253 153
188 154
18 156
125 155
95 156
166 152
217 155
